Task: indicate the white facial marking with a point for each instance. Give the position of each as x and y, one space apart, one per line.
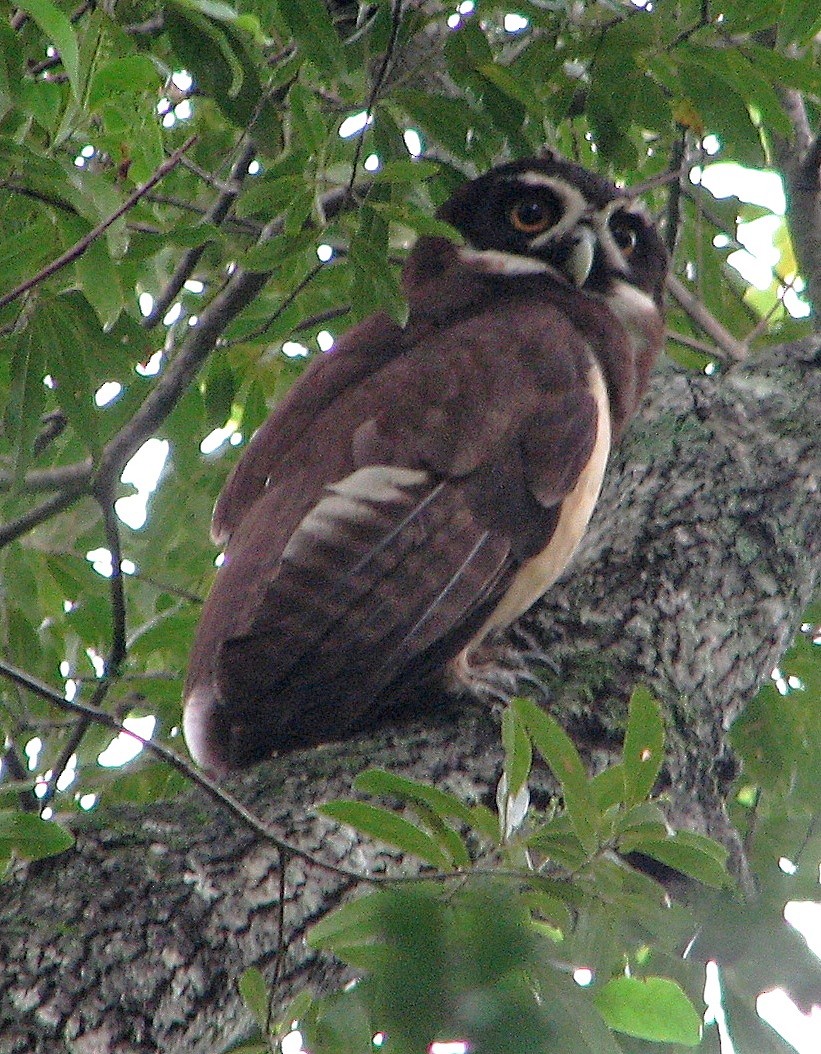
635 310
496 261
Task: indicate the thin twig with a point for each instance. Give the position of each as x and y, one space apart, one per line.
77 250
117 650
282 947
15 769
57 503
290 298
322 316
396 23
76 476
691 342
191 257
340 199
675 168
237 293
176 761
800 162
222 186
706 322
234 806
168 587
238 224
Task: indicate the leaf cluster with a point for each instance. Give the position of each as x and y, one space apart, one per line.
485 952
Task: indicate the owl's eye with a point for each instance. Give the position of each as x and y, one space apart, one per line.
624 234
532 215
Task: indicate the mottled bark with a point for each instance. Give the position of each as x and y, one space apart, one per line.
700 560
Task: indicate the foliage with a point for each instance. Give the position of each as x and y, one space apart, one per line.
485 951
92 108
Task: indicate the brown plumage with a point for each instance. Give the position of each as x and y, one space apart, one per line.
422 485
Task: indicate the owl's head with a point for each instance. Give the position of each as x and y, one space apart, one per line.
548 213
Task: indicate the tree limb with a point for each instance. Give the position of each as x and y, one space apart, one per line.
727 343
61 477
77 250
191 257
59 502
801 165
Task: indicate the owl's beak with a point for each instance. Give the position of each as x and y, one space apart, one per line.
581 250
572 253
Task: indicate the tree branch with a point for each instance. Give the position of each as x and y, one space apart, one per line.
191 257
801 165
10 532
89 713
61 477
77 250
726 342
237 293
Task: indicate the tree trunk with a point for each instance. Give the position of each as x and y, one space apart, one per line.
694 575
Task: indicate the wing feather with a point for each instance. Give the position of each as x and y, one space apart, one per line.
358 597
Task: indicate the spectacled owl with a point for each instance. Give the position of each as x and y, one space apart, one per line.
423 485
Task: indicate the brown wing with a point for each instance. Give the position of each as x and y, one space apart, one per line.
391 528
357 353
384 566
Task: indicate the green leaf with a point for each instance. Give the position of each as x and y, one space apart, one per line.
351 924
449 840
59 30
145 783
27 394
800 21
225 60
130 74
313 30
557 749
451 122
30 836
218 389
785 70
387 827
767 736
406 171
254 991
100 282
418 220
558 841
70 361
276 251
308 120
653 1008
723 108
608 787
643 746
690 853
44 101
645 817
518 753
747 1029
444 804
431 805
375 286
